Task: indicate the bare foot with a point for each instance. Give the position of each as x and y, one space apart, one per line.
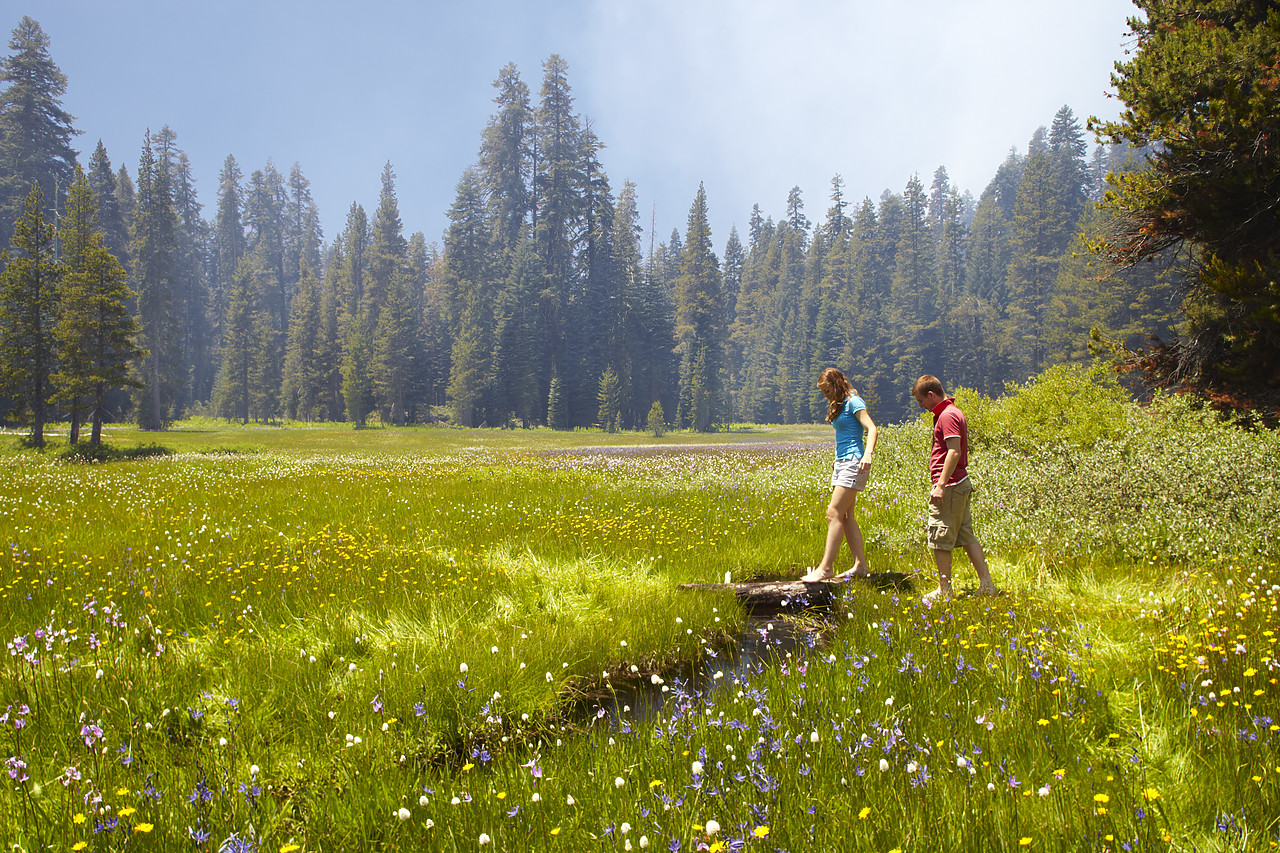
989 589
938 594
817 576
863 572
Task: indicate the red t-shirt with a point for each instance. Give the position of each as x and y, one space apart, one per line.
948 422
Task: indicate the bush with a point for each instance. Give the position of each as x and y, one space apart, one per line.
1068 408
84 452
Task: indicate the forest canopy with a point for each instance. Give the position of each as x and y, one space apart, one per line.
1203 89
549 301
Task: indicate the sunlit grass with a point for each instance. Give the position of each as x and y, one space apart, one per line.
383 622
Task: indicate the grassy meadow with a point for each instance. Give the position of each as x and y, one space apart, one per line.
319 639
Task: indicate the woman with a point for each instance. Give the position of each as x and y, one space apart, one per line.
848 414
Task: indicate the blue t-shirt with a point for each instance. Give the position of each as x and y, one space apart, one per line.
849 430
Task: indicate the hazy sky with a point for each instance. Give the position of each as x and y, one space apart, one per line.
750 98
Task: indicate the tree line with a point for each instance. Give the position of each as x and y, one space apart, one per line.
550 301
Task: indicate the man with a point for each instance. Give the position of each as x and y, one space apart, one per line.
950 523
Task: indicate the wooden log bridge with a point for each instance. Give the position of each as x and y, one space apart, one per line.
798 595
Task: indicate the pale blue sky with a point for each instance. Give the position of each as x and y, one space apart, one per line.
751 98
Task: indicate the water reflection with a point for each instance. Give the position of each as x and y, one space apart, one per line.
776 631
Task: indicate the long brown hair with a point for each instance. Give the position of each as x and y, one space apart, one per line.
837 389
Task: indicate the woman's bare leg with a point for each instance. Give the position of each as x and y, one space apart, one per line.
840 509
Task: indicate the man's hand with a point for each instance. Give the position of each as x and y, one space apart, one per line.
936 494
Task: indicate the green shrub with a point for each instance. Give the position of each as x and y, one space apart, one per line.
84 452
1068 408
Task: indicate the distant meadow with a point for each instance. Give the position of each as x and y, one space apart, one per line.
303 638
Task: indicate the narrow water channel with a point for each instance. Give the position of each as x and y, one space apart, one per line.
770 636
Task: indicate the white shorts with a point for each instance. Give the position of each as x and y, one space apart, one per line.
849 473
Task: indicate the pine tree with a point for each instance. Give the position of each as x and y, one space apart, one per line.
558 182
229 244
700 323
330 341
303 385
467 283
95 331
623 348
987 259
388 249
265 374
35 131
914 293
656 422
1202 88
795 211
756 332
127 198
789 323
28 312
303 236
393 351
245 351
435 337
559 140
520 376
505 160
357 379
654 377
866 353
1041 229
197 343
115 230
838 223
609 398
155 270
1071 173
264 215
735 260
557 417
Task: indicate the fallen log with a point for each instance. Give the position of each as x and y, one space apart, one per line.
796 594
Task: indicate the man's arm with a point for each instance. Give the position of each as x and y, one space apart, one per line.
949 463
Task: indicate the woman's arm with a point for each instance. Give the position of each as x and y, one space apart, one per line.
870 426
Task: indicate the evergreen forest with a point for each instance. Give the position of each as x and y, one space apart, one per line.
551 301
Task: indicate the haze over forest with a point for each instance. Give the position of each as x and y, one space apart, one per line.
554 298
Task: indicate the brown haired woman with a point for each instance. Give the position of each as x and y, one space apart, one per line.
848 414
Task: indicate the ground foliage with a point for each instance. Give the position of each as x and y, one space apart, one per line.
331 646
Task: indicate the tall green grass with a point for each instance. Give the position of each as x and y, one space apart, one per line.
320 639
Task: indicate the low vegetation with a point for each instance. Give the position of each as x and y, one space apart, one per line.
317 639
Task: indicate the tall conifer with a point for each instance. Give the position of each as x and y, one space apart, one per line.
95 331
700 323
35 131
28 312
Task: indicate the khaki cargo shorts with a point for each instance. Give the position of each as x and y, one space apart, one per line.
950 524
